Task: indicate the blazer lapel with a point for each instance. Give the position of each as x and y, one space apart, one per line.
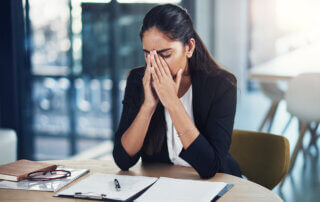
203 87
196 99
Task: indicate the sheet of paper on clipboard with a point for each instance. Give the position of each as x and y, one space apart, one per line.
177 190
102 186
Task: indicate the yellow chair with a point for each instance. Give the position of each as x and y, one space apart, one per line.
263 157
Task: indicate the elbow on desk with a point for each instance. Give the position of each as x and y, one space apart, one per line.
122 165
120 162
209 170
209 173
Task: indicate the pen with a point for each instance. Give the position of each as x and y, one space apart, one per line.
117 185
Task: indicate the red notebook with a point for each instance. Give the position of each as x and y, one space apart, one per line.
19 170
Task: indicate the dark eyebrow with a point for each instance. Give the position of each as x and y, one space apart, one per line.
159 51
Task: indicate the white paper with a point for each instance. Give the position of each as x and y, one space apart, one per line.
170 190
100 183
51 185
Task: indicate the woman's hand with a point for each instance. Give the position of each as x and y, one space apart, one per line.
166 88
150 97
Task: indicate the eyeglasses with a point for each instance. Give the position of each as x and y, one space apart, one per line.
48 175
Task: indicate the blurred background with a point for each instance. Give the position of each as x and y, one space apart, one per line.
64 65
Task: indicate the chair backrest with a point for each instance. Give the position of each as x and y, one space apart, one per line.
263 158
303 97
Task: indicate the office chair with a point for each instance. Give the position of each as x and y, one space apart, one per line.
276 94
263 158
303 102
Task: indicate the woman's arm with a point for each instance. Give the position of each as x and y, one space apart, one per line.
210 149
183 123
132 140
134 122
167 90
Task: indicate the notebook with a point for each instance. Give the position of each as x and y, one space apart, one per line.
177 190
19 170
102 186
51 185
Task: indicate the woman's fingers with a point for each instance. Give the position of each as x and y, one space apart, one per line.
161 68
148 61
155 65
178 79
147 71
154 75
152 59
165 66
148 75
148 67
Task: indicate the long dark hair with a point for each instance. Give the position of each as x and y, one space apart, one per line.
175 23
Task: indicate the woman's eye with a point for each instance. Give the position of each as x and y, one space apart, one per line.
165 56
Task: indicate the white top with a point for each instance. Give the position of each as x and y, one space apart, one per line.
173 141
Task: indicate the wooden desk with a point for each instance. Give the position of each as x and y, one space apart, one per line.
304 60
243 190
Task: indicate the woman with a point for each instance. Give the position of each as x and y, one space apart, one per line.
180 107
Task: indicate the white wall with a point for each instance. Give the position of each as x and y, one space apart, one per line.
203 21
223 26
263 34
231 36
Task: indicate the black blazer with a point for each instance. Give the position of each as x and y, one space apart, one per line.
214 104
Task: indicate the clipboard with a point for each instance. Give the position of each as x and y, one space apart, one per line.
103 197
100 186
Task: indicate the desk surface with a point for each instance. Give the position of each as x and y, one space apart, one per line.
304 60
243 190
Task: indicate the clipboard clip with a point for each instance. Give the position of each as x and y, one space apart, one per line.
90 195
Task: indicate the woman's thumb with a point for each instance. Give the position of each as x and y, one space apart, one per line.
178 77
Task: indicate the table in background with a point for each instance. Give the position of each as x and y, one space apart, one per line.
304 60
275 74
243 190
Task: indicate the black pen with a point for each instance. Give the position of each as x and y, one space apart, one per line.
117 185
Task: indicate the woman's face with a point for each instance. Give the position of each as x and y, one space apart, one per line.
173 52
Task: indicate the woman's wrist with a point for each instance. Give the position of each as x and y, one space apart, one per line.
174 106
148 109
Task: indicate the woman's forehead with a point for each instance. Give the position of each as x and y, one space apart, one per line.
153 39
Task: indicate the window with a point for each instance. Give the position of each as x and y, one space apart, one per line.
81 51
